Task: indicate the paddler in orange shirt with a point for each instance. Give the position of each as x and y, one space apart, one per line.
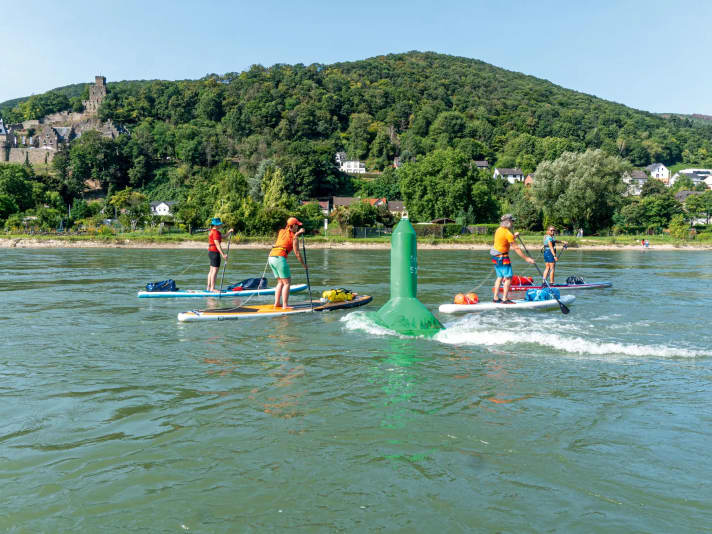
503 241
287 240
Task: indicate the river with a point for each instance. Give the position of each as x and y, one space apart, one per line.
114 417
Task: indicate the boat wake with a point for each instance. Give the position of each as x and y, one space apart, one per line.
572 338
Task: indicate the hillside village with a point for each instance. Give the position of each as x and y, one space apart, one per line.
37 141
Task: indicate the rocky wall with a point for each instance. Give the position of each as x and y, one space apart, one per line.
34 155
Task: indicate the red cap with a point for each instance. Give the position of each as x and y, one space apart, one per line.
293 220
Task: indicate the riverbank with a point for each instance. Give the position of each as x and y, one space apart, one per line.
423 244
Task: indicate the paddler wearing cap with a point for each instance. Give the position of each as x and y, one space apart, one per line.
503 242
215 251
287 240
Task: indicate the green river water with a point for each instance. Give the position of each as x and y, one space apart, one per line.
114 417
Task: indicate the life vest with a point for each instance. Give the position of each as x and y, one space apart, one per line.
284 244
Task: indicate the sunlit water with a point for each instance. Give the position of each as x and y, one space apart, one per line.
114 417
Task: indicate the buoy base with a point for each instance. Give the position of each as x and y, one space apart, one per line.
408 316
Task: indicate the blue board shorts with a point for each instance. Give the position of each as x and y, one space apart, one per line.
548 256
502 266
279 266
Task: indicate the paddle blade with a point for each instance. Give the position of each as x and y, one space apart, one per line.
563 307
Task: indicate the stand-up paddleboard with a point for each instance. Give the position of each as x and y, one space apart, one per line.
268 310
518 305
224 293
518 291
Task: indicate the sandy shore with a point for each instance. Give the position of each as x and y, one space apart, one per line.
62 243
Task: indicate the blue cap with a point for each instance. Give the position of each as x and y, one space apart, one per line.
216 221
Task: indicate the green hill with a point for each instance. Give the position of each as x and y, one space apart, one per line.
281 127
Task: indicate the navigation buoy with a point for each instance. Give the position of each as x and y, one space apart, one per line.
404 313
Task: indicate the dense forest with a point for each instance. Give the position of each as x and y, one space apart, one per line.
251 145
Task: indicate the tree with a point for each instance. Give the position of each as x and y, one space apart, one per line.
700 206
14 182
679 227
133 205
581 189
440 185
274 189
652 186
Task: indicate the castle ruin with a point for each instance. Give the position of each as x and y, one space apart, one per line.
97 93
37 141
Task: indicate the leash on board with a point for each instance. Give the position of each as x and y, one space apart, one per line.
306 268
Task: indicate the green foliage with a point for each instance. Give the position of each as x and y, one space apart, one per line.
311 217
437 113
15 183
386 186
653 186
580 190
442 184
133 205
679 227
700 206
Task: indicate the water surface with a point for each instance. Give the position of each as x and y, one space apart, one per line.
114 417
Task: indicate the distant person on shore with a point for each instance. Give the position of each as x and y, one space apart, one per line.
287 240
550 256
579 233
503 242
215 251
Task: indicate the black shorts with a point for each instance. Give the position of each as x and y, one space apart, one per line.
214 258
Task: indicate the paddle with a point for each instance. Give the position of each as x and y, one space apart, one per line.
227 256
306 268
563 307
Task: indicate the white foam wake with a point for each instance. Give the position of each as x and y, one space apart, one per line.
459 335
360 320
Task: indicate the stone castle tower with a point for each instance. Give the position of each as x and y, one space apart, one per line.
97 93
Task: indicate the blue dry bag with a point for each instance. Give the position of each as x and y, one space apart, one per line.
163 285
544 293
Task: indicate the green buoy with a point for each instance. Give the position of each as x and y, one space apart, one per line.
404 313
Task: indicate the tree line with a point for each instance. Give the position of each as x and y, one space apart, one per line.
232 143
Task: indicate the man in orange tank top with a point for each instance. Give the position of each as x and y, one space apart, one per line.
287 240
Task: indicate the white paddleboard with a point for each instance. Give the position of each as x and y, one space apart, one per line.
518 305
194 293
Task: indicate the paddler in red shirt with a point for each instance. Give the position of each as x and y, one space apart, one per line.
287 240
215 251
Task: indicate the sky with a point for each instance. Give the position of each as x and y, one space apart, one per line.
651 55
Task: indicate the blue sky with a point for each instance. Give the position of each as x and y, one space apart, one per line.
650 55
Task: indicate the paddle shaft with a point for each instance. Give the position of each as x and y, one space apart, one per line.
306 268
563 307
227 256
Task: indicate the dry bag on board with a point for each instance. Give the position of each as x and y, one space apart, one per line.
163 285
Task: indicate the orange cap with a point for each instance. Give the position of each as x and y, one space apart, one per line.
293 220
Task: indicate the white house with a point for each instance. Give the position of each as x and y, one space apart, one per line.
696 175
340 158
162 208
511 175
659 171
635 181
353 167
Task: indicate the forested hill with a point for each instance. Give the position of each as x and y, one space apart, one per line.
405 105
